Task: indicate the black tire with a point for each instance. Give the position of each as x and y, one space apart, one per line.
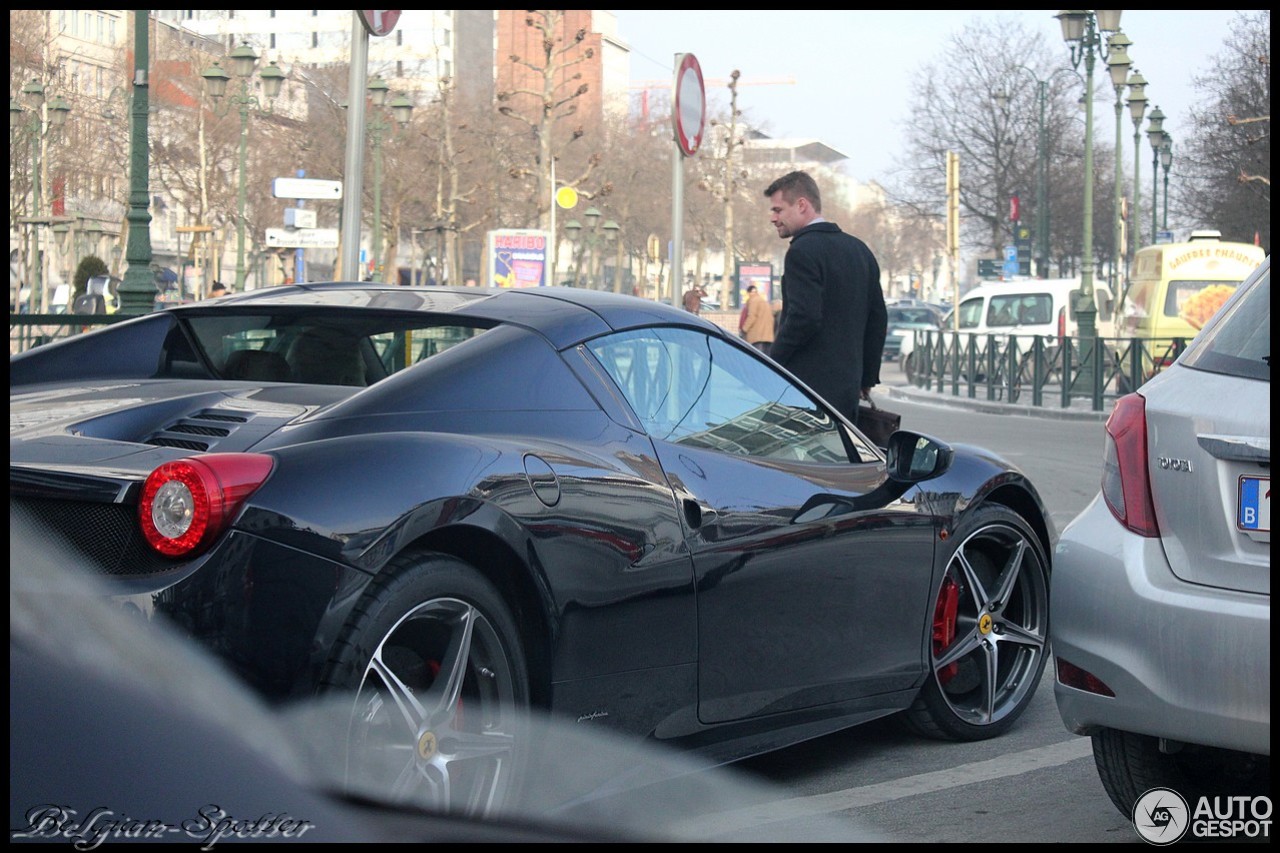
433 658
990 629
909 367
1130 764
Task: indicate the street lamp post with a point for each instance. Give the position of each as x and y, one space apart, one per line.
1118 64
1041 247
1155 133
402 111
57 111
243 61
138 288
1082 30
590 240
1166 160
1137 108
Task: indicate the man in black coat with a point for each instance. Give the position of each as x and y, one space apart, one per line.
832 328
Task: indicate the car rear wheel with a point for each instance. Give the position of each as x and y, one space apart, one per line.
433 657
990 630
1130 764
909 366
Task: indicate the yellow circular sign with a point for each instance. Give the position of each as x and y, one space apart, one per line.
566 197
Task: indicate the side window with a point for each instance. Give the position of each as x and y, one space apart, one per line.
689 388
971 313
1003 311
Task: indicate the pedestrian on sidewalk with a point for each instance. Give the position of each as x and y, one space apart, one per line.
757 322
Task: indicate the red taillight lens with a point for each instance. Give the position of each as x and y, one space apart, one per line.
186 504
1126 487
1062 324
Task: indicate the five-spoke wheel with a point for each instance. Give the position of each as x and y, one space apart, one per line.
990 630
433 657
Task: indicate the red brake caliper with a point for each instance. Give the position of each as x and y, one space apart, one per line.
433 666
944 626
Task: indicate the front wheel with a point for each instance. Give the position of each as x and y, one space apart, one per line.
990 630
433 658
909 366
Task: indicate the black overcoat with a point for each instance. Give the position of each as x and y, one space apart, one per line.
832 327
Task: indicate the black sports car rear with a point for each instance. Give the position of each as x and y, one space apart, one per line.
459 504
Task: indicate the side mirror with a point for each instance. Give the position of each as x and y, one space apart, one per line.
914 458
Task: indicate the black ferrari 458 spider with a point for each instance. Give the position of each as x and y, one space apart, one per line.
462 504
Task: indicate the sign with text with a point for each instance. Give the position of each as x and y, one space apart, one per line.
302 238
306 188
297 217
517 257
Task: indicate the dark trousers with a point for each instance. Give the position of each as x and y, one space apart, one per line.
763 346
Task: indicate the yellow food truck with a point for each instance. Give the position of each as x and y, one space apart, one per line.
1173 290
1176 287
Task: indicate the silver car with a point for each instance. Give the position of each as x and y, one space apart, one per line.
1161 588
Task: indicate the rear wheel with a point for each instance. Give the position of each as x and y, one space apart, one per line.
909 366
1130 764
990 630
433 657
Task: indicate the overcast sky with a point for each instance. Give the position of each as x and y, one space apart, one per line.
853 69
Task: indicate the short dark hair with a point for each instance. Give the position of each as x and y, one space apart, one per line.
796 185
751 288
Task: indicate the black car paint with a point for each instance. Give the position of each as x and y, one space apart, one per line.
640 540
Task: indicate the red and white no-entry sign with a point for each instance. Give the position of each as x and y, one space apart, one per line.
379 22
689 107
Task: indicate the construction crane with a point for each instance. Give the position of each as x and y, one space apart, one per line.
647 86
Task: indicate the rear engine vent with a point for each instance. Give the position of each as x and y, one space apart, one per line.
198 432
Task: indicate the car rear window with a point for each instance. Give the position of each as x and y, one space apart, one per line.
1239 342
317 348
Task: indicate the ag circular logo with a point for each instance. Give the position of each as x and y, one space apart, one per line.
1161 816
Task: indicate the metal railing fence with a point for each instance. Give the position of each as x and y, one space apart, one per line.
1046 369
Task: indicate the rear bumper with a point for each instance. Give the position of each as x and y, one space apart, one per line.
1186 662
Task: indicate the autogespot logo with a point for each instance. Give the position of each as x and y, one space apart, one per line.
1160 816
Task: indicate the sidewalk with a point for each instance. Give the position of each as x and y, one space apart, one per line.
1080 409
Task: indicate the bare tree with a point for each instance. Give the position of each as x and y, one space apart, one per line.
1224 168
980 99
548 99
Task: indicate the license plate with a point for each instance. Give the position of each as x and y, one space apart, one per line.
1253 510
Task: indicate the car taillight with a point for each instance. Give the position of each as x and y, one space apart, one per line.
187 504
1062 324
1126 486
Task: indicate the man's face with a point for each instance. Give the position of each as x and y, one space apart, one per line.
788 216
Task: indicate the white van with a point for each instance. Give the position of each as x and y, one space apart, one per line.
1023 308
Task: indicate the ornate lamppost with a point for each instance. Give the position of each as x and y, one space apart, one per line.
1155 134
1041 245
402 111
1082 30
243 61
1137 108
1118 65
1166 160
590 240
